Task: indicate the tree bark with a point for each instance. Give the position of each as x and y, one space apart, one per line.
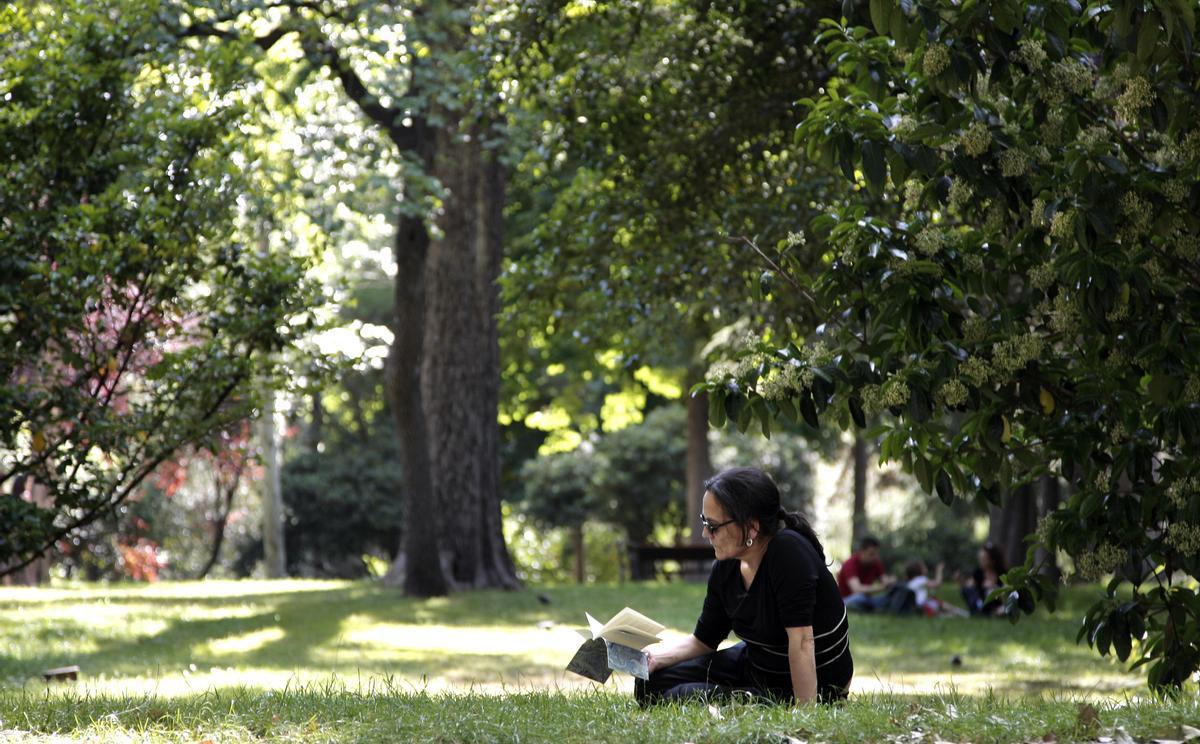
577 545
1050 498
461 365
699 459
858 517
274 556
1012 521
418 567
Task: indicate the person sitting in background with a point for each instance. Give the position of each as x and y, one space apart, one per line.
984 579
918 581
863 579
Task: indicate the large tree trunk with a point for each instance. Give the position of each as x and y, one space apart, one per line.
417 567
461 366
699 460
858 517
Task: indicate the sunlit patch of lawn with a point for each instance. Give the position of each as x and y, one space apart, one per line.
182 638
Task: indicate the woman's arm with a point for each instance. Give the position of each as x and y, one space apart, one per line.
671 652
802 661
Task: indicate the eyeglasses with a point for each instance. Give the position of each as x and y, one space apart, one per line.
707 524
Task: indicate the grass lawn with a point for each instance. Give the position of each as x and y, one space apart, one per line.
308 660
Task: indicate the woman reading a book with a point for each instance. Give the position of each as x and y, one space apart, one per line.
771 587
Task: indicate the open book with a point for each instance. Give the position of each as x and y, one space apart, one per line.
615 646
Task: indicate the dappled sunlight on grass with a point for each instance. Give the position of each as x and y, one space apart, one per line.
244 643
180 638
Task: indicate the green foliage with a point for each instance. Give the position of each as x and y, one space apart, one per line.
641 473
1020 292
558 488
133 317
342 505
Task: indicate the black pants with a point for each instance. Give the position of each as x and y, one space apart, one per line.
720 675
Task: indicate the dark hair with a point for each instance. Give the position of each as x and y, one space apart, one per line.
749 493
868 542
999 563
914 569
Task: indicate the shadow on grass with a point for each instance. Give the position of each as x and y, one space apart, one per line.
448 638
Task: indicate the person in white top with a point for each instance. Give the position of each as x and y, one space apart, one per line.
919 582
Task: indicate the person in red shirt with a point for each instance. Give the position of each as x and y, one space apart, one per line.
863 579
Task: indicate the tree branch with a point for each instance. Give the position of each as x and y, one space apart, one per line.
388 117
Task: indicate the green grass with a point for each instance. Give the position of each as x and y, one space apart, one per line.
306 660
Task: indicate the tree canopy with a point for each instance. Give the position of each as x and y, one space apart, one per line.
127 264
1032 306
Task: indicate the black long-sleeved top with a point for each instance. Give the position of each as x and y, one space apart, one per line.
792 588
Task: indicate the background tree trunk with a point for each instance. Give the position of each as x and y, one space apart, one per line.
1012 521
1049 499
699 459
577 546
418 567
858 517
274 556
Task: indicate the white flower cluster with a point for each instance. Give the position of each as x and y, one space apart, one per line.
1073 75
785 381
975 329
1042 276
1184 537
973 262
1013 354
960 193
1037 213
1052 128
1181 490
951 394
1013 163
931 240
1186 244
1030 53
1137 95
1191 389
1062 226
912 193
876 398
1116 361
1175 190
1100 560
904 128
936 60
976 370
1065 315
1137 212
1093 136
720 371
976 140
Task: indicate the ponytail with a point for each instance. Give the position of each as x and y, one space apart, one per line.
796 521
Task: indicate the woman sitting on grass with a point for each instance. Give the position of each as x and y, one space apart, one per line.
771 586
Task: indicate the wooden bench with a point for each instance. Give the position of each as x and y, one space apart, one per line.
645 559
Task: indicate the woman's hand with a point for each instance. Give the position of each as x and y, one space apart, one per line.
667 653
